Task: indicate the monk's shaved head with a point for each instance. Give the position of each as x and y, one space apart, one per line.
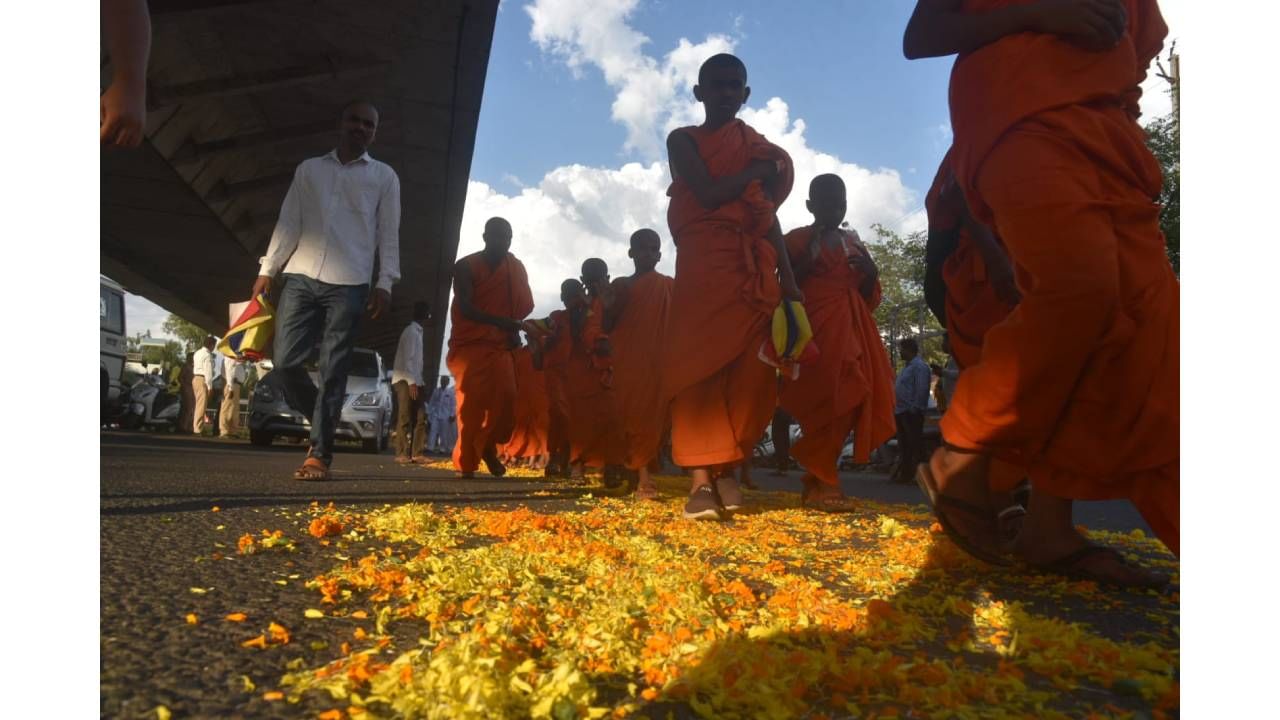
497 239
827 200
569 287
646 250
722 60
594 268
645 236
828 182
497 225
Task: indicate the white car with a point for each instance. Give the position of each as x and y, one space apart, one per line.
366 407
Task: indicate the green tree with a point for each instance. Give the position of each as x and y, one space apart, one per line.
902 312
188 333
1162 138
166 356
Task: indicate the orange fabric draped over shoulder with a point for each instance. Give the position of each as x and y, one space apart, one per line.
725 289
849 386
481 361
972 306
555 367
529 439
595 438
637 340
1080 381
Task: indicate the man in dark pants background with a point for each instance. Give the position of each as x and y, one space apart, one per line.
781 434
912 392
341 211
406 381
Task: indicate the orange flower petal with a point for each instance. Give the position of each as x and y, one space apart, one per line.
192 619
258 642
272 696
237 617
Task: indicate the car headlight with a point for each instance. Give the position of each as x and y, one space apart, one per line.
366 399
263 393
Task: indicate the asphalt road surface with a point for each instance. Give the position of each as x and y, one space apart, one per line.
158 538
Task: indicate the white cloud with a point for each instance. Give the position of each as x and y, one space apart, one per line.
595 33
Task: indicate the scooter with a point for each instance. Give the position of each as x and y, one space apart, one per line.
149 404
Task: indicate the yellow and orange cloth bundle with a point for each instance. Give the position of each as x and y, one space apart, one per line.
790 344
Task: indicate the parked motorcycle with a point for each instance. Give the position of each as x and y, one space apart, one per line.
149 404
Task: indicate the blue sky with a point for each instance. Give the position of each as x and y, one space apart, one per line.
838 65
580 95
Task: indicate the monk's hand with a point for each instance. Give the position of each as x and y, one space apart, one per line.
1095 25
123 113
261 286
1000 274
413 392
379 303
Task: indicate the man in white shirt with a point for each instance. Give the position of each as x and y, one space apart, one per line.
406 381
442 411
233 372
341 210
201 383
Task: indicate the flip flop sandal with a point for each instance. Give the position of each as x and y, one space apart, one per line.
1069 566
312 470
1009 523
924 478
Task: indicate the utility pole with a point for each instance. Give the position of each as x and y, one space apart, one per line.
1172 77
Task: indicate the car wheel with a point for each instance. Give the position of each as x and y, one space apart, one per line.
261 438
370 446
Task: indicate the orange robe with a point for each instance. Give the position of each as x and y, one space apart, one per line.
481 361
595 437
972 306
637 339
529 439
849 386
555 366
725 290
1080 382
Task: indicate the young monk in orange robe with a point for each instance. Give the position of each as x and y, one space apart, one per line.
635 320
529 439
552 341
849 387
731 272
491 296
1080 382
595 434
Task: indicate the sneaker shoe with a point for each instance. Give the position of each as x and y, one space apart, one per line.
730 492
703 505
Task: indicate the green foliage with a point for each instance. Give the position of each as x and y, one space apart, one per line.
168 356
191 335
1163 140
902 312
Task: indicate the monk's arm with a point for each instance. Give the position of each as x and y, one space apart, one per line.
786 277
711 193
462 292
941 27
999 268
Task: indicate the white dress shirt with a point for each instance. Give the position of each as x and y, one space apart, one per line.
202 364
234 370
442 405
408 366
334 218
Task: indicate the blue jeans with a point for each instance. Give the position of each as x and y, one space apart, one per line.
310 313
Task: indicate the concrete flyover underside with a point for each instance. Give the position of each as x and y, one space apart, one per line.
240 92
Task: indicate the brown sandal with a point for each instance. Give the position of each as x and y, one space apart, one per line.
313 469
925 479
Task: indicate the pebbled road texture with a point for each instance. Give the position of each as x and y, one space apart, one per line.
160 540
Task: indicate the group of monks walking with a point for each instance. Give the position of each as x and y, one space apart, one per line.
1046 264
